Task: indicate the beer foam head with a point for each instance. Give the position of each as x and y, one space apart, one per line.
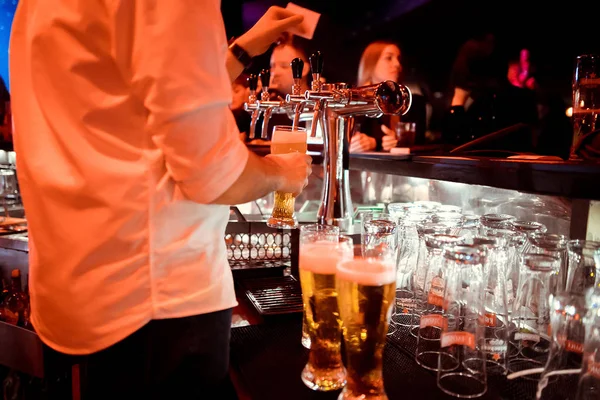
321 257
281 136
367 271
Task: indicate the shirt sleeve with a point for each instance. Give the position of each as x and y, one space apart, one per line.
178 69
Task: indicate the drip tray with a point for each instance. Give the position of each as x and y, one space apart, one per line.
274 295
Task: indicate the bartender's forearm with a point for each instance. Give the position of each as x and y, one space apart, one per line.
234 67
259 178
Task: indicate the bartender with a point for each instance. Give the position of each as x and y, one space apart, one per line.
127 169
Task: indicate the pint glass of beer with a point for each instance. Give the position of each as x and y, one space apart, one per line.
285 139
366 290
586 100
324 370
312 233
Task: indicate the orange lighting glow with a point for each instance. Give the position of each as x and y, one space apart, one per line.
569 112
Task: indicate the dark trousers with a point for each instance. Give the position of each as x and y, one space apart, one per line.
179 358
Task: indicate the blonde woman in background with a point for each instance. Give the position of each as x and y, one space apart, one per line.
381 61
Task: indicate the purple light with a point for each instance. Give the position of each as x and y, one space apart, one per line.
251 12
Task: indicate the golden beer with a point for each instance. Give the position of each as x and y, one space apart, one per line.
285 140
317 264
366 291
312 233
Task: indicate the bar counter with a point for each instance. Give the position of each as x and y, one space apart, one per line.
546 176
266 354
267 359
550 177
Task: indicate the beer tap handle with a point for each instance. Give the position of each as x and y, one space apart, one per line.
265 78
316 68
252 84
297 66
316 63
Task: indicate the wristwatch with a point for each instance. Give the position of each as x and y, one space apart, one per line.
240 54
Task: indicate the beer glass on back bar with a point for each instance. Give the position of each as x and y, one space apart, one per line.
286 139
586 100
366 290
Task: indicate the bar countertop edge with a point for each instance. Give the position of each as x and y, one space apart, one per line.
558 178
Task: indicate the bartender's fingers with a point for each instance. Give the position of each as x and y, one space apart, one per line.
388 142
387 131
268 29
294 169
305 184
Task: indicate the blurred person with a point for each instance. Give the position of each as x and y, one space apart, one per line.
477 64
127 175
281 81
553 130
240 90
485 101
381 61
521 71
281 70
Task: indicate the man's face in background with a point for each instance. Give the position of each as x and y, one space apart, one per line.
281 70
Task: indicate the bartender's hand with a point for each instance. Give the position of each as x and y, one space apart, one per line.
361 143
294 170
275 23
388 141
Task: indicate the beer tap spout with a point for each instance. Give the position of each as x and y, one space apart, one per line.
253 105
265 78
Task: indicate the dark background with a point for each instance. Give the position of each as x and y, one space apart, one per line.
430 33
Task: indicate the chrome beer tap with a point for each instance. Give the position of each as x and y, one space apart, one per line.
265 78
294 105
252 104
264 105
316 69
335 106
297 97
303 110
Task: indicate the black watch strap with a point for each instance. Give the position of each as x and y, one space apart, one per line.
240 54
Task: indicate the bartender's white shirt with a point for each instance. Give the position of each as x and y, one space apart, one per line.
123 136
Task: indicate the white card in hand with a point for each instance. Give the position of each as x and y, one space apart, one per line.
307 28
